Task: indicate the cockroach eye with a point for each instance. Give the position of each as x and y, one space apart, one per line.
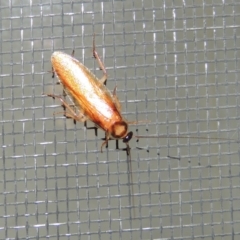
128 137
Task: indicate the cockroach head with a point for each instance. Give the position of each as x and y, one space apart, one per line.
120 131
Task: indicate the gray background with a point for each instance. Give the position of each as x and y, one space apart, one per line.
175 63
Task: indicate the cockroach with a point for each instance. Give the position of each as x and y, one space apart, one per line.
95 102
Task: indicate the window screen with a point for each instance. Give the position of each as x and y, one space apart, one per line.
176 68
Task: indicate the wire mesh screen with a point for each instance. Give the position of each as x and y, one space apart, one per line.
176 68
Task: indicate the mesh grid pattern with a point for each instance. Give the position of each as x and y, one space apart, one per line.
175 64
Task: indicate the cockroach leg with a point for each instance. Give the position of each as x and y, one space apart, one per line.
100 63
77 117
53 73
53 76
64 107
122 149
106 141
104 77
95 128
64 93
117 144
115 99
115 91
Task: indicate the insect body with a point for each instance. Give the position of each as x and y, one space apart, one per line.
90 95
92 99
